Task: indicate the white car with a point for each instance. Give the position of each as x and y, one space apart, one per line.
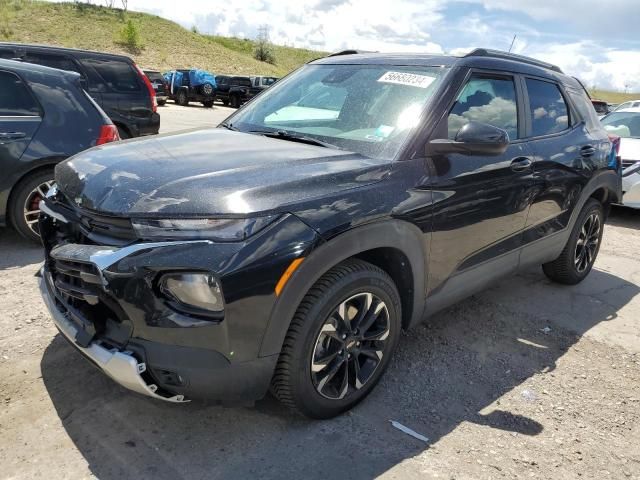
625 123
627 105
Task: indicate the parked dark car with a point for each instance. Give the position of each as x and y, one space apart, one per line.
113 81
159 85
45 117
236 90
288 248
191 85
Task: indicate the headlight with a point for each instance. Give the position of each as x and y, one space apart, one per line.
221 229
192 289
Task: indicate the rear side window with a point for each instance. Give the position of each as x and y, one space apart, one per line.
486 100
54 61
585 109
549 112
15 98
111 74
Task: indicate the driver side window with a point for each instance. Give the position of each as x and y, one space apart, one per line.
486 100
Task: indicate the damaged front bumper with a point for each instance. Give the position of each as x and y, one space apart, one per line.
121 366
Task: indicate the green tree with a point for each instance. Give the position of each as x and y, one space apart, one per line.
264 50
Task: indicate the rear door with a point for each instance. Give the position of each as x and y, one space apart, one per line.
480 201
567 148
20 118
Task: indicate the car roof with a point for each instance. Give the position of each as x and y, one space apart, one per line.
64 49
478 58
25 68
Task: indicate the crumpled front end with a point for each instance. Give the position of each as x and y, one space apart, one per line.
105 291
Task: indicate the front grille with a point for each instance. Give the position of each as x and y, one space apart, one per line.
76 280
77 287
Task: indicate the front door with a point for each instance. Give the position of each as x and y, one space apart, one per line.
480 202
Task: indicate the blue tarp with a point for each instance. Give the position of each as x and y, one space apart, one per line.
197 77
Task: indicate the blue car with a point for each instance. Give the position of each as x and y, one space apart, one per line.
192 85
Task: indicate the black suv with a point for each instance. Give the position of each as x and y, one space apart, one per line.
114 82
288 248
235 90
45 117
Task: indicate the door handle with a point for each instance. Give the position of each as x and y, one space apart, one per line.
12 135
587 151
521 164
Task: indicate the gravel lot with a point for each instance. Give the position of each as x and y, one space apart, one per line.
525 380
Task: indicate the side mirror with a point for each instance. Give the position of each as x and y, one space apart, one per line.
475 138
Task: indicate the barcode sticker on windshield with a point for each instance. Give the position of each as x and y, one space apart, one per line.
410 79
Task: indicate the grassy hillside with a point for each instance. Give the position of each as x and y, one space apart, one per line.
613 97
165 44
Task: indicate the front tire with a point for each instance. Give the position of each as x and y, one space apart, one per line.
340 340
577 259
24 208
208 104
182 99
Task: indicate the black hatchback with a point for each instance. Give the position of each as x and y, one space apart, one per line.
45 117
121 89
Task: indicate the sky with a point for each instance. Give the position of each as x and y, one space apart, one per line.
596 40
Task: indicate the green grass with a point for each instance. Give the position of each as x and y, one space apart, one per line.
165 44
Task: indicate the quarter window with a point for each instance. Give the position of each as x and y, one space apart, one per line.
549 112
15 98
486 100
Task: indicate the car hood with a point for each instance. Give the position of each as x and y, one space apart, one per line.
210 171
630 148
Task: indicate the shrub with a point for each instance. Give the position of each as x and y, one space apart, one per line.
130 36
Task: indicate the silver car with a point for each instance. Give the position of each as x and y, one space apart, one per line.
625 123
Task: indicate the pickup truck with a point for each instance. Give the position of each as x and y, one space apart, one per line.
236 90
191 85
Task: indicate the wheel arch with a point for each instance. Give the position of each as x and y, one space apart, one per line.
381 243
46 164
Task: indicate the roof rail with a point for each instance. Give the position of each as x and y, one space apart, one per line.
348 52
486 52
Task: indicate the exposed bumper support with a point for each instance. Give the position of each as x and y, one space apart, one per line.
122 367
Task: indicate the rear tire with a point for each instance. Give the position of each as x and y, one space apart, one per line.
580 253
161 103
235 101
23 206
225 102
327 365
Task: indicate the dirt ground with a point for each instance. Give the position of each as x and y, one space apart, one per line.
525 380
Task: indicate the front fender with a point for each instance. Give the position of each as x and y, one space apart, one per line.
390 233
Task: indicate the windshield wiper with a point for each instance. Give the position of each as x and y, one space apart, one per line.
228 126
284 135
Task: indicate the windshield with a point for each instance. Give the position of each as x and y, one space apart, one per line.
368 109
623 124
